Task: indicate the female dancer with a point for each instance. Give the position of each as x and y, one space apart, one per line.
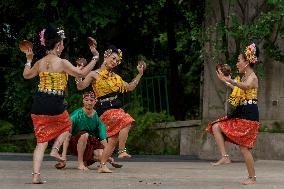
48 113
241 126
106 85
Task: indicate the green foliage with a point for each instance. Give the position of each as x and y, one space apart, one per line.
142 137
262 25
18 146
8 148
9 144
138 27
6 129
276 127
18 99
79 19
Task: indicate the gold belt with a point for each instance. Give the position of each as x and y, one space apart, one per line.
247 102
108 99
51 91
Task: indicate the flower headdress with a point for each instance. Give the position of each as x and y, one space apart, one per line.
119 56
61 33
41 37
250 53
109 52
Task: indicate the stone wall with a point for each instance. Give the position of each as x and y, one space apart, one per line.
189 138
269 146
174 136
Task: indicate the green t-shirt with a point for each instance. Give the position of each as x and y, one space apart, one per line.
93 125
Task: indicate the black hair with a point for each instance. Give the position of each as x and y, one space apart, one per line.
113 49
51 37
257 51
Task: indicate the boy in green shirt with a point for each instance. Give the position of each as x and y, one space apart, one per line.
88 135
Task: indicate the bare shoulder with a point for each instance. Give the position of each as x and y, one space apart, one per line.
43 59
64 61
255 80
95 73
254 76
38 63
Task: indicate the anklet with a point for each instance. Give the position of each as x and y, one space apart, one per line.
35 173
252 177
226 155
121 151
56 148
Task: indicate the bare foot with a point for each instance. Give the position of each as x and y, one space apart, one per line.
104 169
36 179
222 161
124 155
54 153
249 180
83 168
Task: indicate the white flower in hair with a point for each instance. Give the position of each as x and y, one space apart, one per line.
61 33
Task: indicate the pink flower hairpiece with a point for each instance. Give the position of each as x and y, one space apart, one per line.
250 53
41 37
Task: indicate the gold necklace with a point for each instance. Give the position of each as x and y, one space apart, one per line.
244 78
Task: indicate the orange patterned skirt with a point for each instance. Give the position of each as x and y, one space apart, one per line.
48 127
238 131
115 120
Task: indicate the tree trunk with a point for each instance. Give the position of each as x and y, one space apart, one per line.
176 85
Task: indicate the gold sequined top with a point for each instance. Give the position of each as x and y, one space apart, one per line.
239 95
52 81
107 83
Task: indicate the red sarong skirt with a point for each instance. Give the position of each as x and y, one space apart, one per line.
48 127
115 120
238 131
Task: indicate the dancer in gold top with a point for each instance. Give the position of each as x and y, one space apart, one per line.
106 85
241 126
48 113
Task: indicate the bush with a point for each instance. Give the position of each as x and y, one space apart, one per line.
6 129
8 148
8 144
276 127
142 137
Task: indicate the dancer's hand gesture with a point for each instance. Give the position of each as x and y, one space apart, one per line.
29 54
141 67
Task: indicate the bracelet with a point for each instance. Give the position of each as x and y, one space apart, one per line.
135 82
29 64
234 83
95 58
227 83
78 80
